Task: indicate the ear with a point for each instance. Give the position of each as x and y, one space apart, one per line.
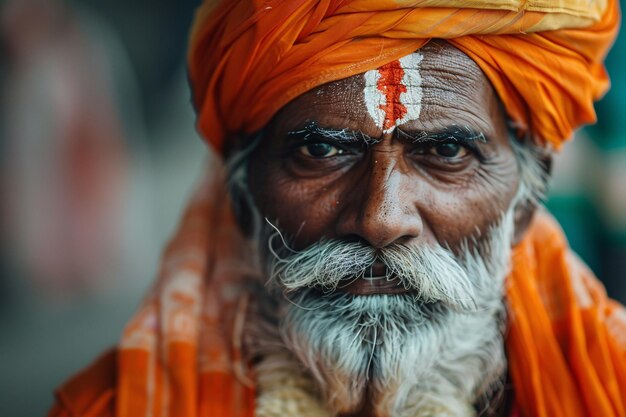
237 153
234 144
523 216
525 210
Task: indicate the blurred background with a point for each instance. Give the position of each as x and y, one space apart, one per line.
98 153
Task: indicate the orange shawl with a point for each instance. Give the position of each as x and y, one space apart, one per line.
248 58
180 356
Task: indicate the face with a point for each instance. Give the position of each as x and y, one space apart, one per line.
329 168
391 198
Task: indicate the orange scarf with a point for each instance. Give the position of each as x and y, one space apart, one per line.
180 356
248 58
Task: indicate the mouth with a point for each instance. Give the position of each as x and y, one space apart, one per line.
375 281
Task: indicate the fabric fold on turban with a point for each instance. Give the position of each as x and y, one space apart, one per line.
248 58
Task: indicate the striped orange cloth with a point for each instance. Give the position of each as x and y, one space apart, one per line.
247 58
180 356
179 353
566 344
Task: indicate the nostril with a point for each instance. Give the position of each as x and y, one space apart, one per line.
354 238
385 232
403 240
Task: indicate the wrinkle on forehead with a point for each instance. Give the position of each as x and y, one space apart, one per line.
455 86
393 92
452 91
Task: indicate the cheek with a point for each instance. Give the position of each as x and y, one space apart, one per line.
304 210
471 210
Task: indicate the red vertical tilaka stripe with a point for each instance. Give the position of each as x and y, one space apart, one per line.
390 85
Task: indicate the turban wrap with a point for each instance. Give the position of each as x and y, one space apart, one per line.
248 58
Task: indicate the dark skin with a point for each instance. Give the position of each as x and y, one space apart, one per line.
393 189
440 179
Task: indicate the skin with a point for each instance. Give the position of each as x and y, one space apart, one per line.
389 189
393 190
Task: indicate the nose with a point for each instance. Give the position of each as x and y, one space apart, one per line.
381 208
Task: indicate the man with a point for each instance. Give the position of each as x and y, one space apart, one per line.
388 257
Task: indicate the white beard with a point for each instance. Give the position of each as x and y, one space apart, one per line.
437 354
382 347
432 352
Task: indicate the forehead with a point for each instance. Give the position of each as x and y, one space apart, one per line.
436 87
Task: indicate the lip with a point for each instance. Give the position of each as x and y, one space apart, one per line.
376 280
374 286
376 270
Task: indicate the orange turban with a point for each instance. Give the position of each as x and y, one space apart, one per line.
248 58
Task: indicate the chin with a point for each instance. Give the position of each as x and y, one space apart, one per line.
400 356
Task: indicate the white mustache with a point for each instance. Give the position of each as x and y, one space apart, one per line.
431 274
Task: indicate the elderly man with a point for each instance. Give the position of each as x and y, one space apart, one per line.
383 254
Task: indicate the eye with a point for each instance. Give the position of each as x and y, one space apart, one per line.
319 150
451 150
445 150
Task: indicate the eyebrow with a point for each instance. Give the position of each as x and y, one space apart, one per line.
313 131
456 133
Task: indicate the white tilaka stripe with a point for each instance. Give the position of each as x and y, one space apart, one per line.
412 79
375 100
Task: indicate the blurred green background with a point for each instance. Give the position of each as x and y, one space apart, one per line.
98 153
